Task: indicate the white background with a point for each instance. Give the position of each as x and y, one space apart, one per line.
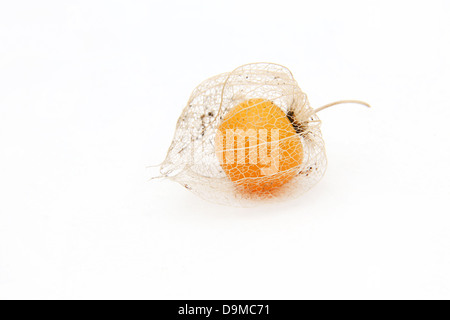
90 92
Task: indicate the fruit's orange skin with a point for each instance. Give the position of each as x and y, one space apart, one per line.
248 176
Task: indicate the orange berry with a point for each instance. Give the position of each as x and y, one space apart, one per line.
258 147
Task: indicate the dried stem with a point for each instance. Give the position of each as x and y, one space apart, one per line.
341 102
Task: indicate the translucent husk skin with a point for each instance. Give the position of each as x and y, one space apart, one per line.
192 160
